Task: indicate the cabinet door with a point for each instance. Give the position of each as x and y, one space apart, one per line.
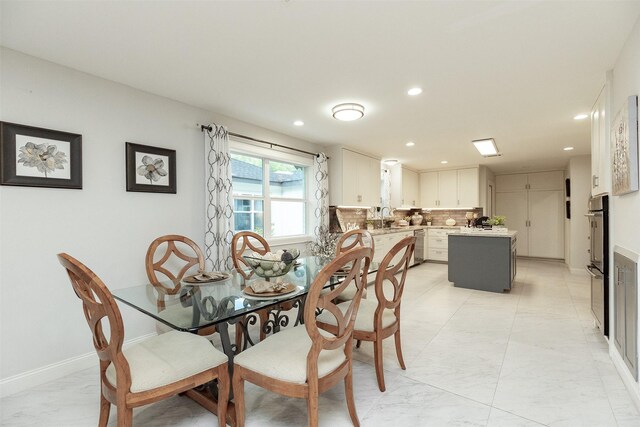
369 181
595 147
429 189
468 188
513 205
448 189
546 224
512 182
604 125
410 187
350 163
553 180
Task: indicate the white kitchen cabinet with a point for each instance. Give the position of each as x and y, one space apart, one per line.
553 180
468 188
438 244
512 182
450 189
404 187
600 127
429 189
546 224
354 178
514 206
534 206
384 243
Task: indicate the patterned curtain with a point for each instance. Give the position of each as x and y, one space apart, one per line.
218 199
321 174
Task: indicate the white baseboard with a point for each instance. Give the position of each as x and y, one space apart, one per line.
629 382
42 375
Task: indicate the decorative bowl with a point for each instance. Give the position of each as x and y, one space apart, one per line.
272 265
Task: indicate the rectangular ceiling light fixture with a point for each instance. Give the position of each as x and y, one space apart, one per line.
486 147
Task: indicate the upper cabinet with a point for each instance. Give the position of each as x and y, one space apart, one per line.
354 178
450 189
600 168
405 185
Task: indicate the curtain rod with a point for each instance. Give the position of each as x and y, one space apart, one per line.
272 144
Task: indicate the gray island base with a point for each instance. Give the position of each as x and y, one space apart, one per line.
484 262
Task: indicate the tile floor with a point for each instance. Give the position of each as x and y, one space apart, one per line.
530 357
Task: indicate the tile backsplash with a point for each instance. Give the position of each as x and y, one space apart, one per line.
359 216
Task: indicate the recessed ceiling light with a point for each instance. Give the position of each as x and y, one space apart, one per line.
568 148
390 162
486 147
410 144
444 162
414 91
581 117
348 112
298 123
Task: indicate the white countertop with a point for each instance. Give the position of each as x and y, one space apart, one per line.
486 233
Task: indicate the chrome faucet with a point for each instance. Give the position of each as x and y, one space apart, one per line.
388 209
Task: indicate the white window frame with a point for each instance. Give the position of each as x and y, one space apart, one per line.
279 156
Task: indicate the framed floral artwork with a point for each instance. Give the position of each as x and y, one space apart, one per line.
37 157
624 148
150 169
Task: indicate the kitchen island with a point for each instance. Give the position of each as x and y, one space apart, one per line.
483 260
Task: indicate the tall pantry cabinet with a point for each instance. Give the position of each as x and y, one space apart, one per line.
534 206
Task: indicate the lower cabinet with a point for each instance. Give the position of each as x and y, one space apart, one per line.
438 245
384 243
625 296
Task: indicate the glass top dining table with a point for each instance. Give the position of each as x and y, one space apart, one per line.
191 307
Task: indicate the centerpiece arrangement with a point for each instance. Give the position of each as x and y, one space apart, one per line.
272 264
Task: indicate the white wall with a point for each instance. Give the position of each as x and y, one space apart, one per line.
578 243
625 209
109 229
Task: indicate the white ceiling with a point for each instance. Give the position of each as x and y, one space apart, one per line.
515 71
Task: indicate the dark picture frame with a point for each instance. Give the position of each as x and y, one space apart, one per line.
38 157
150 169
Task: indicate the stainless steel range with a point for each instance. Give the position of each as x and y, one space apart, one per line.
598 266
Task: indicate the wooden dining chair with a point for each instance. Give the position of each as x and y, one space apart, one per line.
166 267
240 243
349 240
155 369
379 319
305 360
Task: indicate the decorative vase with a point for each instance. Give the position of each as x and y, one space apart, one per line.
416 219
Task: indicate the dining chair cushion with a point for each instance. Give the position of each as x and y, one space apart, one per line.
364 318
167 358
283 356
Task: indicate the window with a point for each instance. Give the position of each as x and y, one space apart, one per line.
269 196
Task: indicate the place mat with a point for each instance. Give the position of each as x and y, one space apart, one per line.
197 279
290 287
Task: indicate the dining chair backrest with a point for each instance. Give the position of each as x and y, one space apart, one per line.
98 304
388 286
353 239
359 260
240 243
175 245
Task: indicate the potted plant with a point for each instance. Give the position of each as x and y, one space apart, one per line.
497 221
369 223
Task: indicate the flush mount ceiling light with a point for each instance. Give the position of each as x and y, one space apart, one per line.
486 147
444 162
298 123
410 144
348 112
568 148
581 117
390 162
414 91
